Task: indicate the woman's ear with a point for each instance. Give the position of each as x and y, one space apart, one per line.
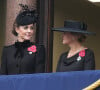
17 29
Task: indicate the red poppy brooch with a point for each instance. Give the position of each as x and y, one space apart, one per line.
32 49
81 54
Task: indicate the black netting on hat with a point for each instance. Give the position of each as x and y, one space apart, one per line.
26 16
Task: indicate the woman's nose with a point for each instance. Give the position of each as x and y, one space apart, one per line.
29 30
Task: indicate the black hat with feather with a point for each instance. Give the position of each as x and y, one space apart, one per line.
26 16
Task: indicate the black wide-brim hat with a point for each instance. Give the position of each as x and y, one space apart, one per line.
74 26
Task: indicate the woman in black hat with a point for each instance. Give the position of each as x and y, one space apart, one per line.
78 57
23 57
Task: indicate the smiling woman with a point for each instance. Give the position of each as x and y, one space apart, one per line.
25 57
24 32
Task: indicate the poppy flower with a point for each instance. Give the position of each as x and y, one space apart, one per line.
33 49
82 53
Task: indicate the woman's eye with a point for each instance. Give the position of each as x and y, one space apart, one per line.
25 27
32 28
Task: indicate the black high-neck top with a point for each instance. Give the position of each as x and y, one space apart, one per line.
76 62
17 59
20 46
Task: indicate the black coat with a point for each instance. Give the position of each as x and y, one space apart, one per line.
75 63
16 59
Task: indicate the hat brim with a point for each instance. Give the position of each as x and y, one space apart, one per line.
73 30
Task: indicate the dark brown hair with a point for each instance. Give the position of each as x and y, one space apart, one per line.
14 28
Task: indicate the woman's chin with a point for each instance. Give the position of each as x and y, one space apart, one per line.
64 43
27 39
